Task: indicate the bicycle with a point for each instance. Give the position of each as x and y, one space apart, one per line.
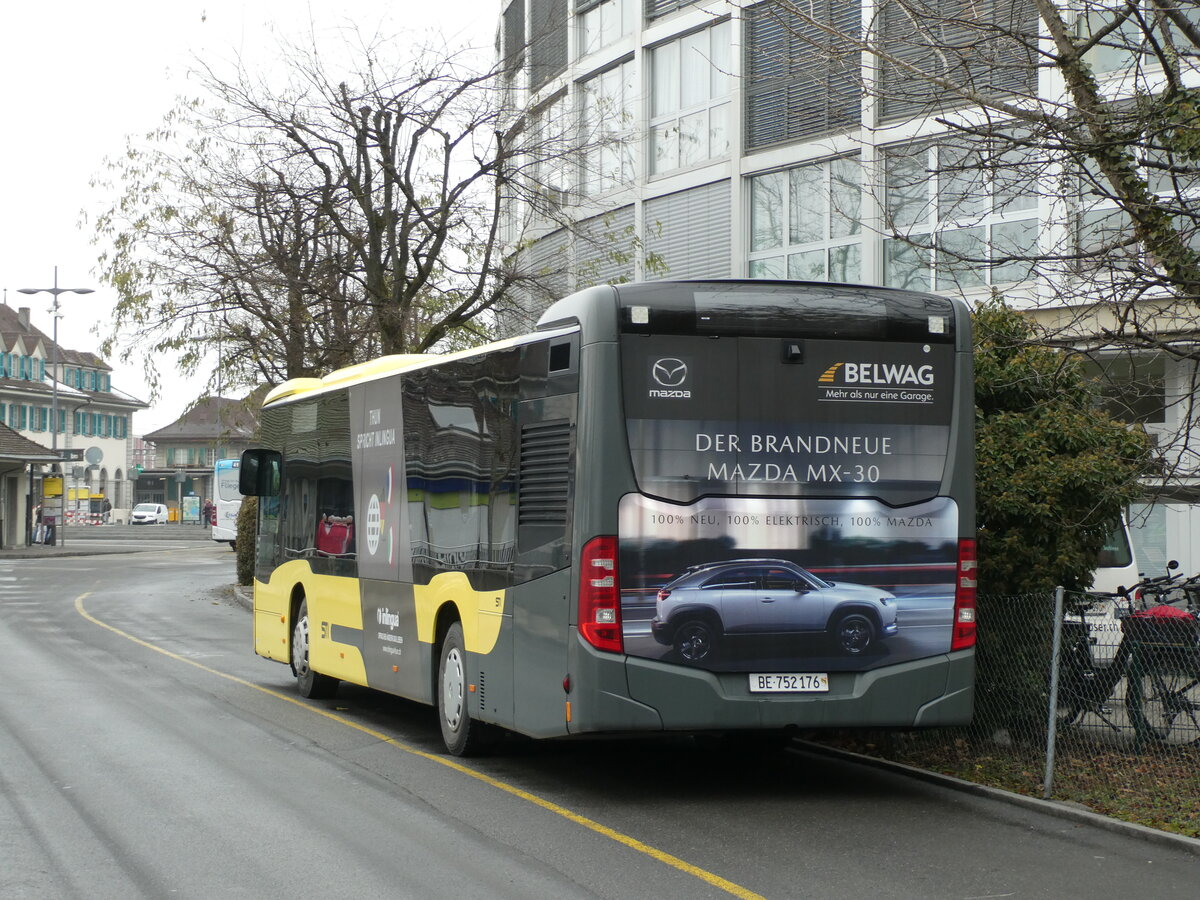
1160 662
1163 674
1084 684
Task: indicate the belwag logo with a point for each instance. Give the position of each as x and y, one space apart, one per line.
878 374
670 373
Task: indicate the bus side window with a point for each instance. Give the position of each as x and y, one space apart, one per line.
335 535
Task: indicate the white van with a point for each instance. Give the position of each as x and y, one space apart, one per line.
148 514
1116 567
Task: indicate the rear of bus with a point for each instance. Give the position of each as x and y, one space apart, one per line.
774 508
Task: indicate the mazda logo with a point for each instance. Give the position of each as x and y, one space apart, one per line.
670 372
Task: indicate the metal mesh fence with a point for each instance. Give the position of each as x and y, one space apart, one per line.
1116 725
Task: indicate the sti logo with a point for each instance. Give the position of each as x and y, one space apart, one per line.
669 373
878 374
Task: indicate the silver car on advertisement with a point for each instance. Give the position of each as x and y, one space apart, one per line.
698 609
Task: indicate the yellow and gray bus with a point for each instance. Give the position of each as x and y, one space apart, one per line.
707 506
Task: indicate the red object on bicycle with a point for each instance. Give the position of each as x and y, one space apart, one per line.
1163 625
1162 612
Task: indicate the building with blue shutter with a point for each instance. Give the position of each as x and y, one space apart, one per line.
94 417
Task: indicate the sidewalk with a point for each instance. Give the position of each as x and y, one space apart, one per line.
73 548
104 540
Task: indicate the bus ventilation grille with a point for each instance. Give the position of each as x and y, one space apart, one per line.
480 690
545 477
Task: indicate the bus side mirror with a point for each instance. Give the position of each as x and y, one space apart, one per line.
259 473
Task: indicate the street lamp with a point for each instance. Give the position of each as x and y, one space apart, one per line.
55 291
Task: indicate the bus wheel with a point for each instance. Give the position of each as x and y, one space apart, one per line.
855 633
695 641
311 684
462 735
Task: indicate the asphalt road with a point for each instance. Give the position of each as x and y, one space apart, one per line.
147 752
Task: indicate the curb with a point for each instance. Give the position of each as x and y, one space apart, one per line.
1057 808
61 554
243 596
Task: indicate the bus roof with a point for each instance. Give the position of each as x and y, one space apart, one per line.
388 365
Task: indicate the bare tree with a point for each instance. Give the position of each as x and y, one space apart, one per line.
306 226
1089 107
1047 149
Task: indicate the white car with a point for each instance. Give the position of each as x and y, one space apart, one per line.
148 514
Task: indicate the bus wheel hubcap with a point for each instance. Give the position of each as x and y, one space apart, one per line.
453 689
300 650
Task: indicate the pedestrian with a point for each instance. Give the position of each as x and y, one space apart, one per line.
208 512
105 510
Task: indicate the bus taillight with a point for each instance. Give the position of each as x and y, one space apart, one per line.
965 582
600 595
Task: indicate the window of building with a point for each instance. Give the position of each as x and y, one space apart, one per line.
964 216
608 116
1132 387
802 78
606 247
805 223
552 152
690 232
656 8
1104 233
604 22
985 46
1124 32
547 40
689 100
513 36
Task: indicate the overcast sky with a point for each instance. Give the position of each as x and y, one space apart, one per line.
77 77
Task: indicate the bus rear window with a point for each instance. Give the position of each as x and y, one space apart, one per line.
776 416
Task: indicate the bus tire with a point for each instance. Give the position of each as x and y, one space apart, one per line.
311 684
854 633
696 641
463 735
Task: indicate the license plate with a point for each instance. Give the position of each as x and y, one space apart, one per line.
796 683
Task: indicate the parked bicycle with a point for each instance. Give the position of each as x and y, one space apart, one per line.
1158 658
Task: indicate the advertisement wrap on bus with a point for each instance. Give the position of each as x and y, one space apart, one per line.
679 507
856 579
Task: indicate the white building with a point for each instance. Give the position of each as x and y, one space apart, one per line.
93 417
711 139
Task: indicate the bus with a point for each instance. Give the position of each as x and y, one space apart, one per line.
227 501
689 507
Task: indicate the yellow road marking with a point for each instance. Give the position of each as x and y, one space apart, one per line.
633 843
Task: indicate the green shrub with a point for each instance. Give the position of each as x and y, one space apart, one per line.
1053 473
247 528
